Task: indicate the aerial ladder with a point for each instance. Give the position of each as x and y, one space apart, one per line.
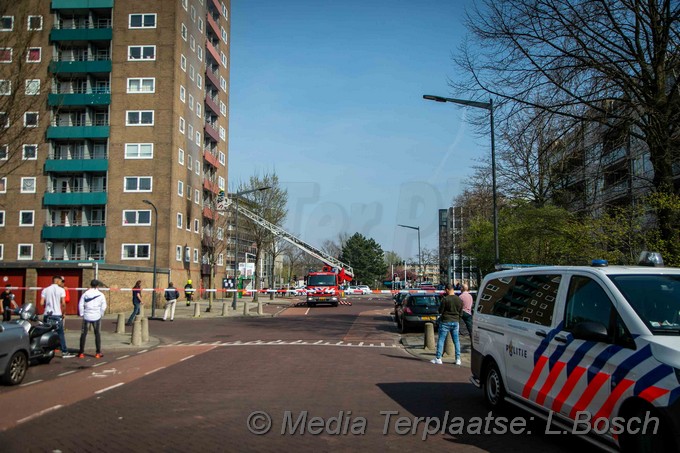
225 203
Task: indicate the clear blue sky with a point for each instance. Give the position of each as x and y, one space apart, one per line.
328 94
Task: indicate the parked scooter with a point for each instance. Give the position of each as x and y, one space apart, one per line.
43 336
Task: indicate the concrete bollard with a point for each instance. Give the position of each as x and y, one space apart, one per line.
145 330
260 311
224 308
429 337
136 332
120 324
141 311
448 346
197 310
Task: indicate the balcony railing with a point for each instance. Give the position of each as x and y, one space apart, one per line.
50 223
82 90
78 190
76 155
81 25
80 123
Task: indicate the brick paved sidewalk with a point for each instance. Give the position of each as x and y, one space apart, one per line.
415 345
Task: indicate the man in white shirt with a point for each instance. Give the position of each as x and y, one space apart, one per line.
53 298
91 307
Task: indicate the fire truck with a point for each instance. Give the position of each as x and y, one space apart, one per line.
324 287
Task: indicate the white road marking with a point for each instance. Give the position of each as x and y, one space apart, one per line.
307 311
109 388
188 357
123 357
99 364
153 371
67 372
143 351
38 414
30 383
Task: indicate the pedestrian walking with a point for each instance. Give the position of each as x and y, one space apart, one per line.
91 308
53 299
171 296
8 303
450 310
189 292
136 302
466 315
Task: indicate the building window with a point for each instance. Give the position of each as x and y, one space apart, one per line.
6 54
225 11
195 255
188 197
3 185
180 188
141 217
200 25
25 251
191 130
5 87
31 119
199 53
35 22
221 183
183 63
193 14
192 72
6 23
222 158
28 185
223 108
139 118
180 156
223 83
182 93
4 152
220 234
198 167
224 34
141 85
2 218
185 4
32 87
184 32
198 138
196 225
182 125
199 81
190 162
180 220
34 55
26 218
223 57
138 184
136 251
199 109
192 42
4 119
187 254
141 53
143 20
197 196
191 102
139 150
178 253
30 152
223 133
2 251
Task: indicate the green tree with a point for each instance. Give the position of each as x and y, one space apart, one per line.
366 258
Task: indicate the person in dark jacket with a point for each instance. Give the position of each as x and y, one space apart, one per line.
450 310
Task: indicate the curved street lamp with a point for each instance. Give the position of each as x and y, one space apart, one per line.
155 255
420 269
487 106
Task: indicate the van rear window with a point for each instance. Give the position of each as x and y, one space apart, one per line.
529 298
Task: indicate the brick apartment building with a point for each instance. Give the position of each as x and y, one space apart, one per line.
134 121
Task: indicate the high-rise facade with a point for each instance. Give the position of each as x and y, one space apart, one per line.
129 148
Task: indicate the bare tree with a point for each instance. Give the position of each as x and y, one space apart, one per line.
214 244
586 60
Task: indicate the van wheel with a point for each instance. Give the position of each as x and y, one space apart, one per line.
646 441
494 392
16 369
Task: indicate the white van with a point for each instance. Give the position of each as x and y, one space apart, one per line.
592 350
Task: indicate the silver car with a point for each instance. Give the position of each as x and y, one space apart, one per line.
14 347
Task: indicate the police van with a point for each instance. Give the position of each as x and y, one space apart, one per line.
592 350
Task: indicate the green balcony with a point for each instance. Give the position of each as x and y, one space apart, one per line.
78 67
68 132
76 165
84 99
73 232
81 4
81 34
75 199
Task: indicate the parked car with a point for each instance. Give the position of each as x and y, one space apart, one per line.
415 310
365 289
354 290
14 347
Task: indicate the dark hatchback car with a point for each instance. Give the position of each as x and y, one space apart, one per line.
416 310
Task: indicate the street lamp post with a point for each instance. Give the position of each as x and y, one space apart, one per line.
487 106
236 196
155 255
420 269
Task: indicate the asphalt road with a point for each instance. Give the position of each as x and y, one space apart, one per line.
322 379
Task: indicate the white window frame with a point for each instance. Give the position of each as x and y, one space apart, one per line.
140 114
3 184
223 108
220 259
190 162
23 152
28 55
138 147
136 254
223 133
155 21
185 4
190 130
183 63
141 81
187 254
5 87
191 102
11 55
183 31
180 188
180 220
199 109
138 178
180 156
192 43
200 24
199 53
2 252
197 226
21 219
28 23
23 258
6 117
197 196
195 255
2 218
32 87
37 119
182 93
141 52
178 253
198 138
223 84
193 13
222 158
225 11
192 73
221 183
12 22
27 179
136 221
199 81
182 125
197 166
223 58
